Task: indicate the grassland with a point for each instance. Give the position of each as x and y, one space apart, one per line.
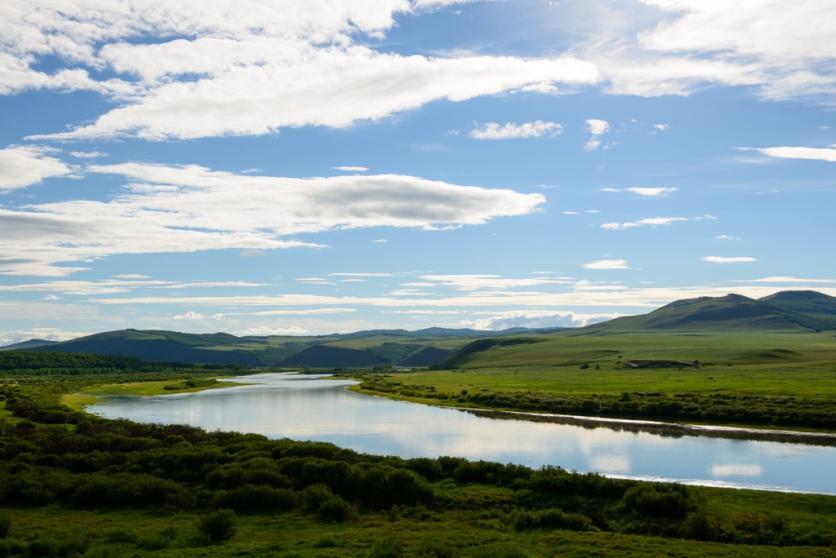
764 379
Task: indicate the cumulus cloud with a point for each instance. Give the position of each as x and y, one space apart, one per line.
88 154
24 166
193 208
648 222
512 130
809 153
596 128
536 319
607 264
728 259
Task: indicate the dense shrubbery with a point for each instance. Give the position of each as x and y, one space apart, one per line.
218 526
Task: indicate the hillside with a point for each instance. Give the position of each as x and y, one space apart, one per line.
28 344
731 328
325 356
787 310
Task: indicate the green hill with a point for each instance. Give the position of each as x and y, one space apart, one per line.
325 356
728 329
28 344
787 311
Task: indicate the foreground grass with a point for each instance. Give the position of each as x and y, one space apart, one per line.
401 533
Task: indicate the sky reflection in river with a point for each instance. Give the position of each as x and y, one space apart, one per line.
307 408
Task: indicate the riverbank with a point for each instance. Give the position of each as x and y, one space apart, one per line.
91 394
739 398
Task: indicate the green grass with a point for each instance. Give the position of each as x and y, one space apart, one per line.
91 394
788 378
467 533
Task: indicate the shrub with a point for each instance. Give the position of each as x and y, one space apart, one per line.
5 525
334 509
11 548
314 495
669 501
218 526
153 542
249 498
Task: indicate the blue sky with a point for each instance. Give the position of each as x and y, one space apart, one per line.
285 167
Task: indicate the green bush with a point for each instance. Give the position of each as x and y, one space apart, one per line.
387 548
5 525
334 509
218 525
667 501
253 499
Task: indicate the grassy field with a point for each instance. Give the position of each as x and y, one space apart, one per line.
768 379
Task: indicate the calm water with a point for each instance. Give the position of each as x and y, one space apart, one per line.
308 408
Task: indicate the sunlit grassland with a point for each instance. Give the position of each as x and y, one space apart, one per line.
93 393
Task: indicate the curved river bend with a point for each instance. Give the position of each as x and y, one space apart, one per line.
309 408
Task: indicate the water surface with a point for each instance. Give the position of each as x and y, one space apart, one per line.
310 408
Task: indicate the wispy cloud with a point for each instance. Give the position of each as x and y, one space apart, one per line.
648 222
827 154
644 191
728 259
607 264
511 130
351 168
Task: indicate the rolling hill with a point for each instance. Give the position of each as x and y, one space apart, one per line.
28 344
786 310
748 330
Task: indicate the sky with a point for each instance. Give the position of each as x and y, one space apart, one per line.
285 167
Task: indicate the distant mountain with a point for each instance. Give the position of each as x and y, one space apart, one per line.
28 344
787 310
427 356
325 356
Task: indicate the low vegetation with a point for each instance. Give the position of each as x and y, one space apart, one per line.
126 489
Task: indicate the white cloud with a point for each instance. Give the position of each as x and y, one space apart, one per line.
511 130
88 154
351 168
294 312
379 241
727 237
685 45
192 208
596 129
648 222
607 264
728 259
809 153
24 166
248 67
488 282
648 192
661 128
189 316
365 274
652 192
537 319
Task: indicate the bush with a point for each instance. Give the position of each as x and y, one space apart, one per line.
249 498
668 501
5 525
314 495
218 526
334 509
11 548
